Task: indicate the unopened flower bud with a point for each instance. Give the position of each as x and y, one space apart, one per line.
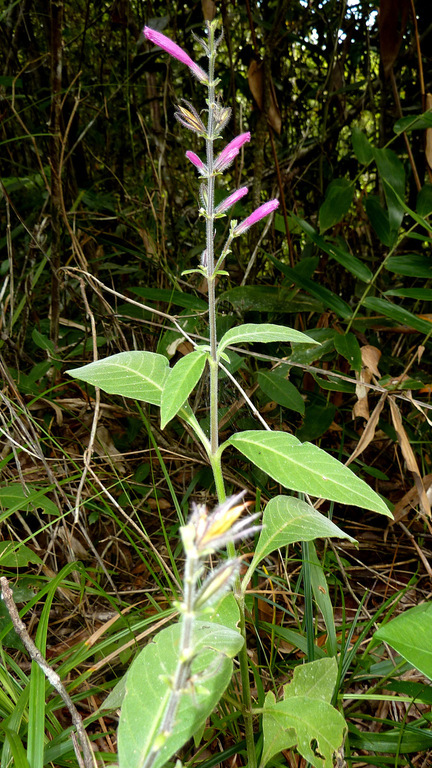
231 200
217 583
196 161
258 214
174 50
225 158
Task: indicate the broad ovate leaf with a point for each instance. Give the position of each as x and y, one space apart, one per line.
410 635
261 332
148 691
315 680
305 468
287 520
305 718
140 375
180 382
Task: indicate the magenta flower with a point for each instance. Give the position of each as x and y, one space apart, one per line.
225 158
258 214
229 201
174 50
197 162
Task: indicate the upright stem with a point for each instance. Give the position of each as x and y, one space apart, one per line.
215 458
214 436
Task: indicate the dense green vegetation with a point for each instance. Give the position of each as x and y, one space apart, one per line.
98 224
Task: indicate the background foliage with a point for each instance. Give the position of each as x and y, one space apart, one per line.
94 178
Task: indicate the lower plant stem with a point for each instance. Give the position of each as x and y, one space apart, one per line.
246 695
245 686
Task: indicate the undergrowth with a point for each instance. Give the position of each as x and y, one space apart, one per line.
97 213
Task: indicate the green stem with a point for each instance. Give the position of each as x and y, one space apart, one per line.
245 686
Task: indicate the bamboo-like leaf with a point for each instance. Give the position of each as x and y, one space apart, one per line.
306 468
399 314
281 391
140 375
338 198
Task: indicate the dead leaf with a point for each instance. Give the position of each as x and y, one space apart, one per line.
104 446
409 456
392 20
410 500
148 242
256 85
208 9
369 430
370 359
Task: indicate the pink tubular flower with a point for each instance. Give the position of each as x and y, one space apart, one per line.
196 161
225 158
174 50
258 214
231 200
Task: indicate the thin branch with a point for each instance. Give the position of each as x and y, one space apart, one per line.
50 674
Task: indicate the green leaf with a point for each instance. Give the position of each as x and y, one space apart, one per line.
269 298
308 355
42 341
147 691
348 346
261 332
350 262
287 520
277 735
362 147
424 200
305 717
328 298
14 498
179 383
392 174
379 219
399 314
338 198
316 680
306 468
317 420
411 264
16 555
177 298
414 123
423 294
410 635
140 375
281 391
322 598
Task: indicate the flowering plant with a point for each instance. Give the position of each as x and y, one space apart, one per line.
176 681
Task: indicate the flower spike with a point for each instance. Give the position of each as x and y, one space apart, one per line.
174 50
258 214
